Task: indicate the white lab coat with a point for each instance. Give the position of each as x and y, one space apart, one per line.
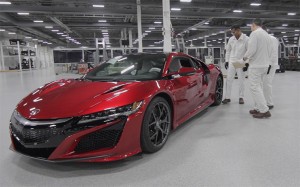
268 80
259 54
235 51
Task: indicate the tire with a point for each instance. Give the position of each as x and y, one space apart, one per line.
218 92
156 125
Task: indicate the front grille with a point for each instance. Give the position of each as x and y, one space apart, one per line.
105 138
36 135
33 152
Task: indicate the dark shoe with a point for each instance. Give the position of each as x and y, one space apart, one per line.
253 111
270 107
262 115
225 101
241 101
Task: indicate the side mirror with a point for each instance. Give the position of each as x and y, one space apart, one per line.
183 71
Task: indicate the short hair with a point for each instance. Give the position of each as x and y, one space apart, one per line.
258 22
235 27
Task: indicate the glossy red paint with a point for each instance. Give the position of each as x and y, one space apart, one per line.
188 95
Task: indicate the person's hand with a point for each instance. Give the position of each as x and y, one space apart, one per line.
246 67
226 65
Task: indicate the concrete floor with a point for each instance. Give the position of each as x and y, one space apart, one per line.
222 146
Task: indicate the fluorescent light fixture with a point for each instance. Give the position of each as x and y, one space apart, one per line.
64 35
27 37
185 1
102 21
255 4
206 23
283 32
148 31
105 33
5 3
68 37
237 11
219 42
55 30
60 33
214 40
49 43
297 30
34 39
49 27
11 33
151 45
249 25
213 34
220 39
291 14
284 36
193 29
157 22
151 28
104 30
206 36
208 41
176 9
23 13
284 25
2 30
38 21
296 34
98 6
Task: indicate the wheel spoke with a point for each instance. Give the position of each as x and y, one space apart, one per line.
155 134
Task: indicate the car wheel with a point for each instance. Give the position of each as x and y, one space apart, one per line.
218 92
156 125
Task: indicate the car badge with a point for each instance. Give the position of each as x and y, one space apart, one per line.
34 111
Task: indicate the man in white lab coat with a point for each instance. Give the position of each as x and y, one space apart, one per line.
259 55
235 51
268 80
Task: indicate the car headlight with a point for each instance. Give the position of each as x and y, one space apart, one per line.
112 113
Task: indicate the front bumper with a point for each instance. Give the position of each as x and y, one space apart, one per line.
104 141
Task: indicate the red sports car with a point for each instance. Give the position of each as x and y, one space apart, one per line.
123 107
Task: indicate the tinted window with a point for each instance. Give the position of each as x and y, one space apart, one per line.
130 67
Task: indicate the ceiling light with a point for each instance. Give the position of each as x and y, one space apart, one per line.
297 30
105 33
38 21
291 14
55 30
49 27
27 37
206 23
284 25
152 28
34 39
49 43
23 13
237 11
157 22
68 37
176 9
296 34
102 21
185 1
5 3
249 25
220 39
11 33
214 40
151 45
1 30
255 4
193 29
59 33
148 31
284 36
283 32
64 35
98 6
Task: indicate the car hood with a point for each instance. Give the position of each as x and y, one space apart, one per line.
69 98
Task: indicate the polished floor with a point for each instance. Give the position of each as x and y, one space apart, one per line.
222 146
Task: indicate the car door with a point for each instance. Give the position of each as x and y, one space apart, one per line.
185 86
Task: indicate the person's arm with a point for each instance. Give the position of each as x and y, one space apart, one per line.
252 47
228 50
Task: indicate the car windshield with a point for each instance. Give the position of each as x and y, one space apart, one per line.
129 67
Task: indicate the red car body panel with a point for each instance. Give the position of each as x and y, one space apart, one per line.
70 98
